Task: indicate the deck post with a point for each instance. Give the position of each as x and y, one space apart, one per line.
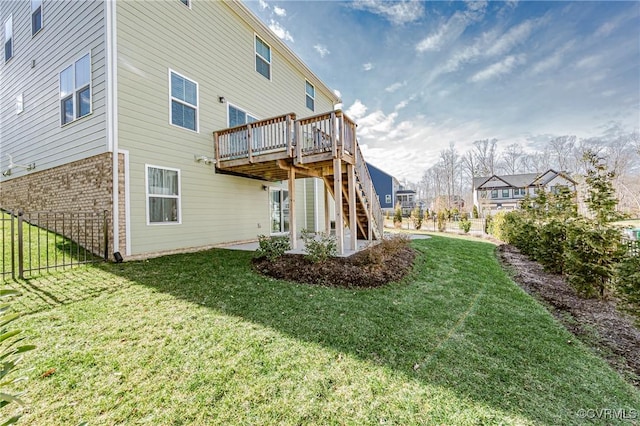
353 225
327 214
292 209
249 144
337 192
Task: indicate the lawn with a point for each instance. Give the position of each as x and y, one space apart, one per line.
200 339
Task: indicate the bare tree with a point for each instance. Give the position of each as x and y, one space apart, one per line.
512 159
485 153
562 149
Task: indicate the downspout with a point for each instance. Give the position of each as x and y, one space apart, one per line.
112 118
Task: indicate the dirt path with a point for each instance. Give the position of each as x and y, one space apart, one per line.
596 322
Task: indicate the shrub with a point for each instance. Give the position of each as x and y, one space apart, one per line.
397 217
442 221
498 226
11 353
272 247
319 246
628 279
475 212
417 217
465 225
592 251
551 243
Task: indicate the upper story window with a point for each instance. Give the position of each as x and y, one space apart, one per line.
75 90
311 96
505 193
494 193
163 195
36 16
263 58
517 192
8 38
184 102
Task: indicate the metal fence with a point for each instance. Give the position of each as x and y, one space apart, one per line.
40 241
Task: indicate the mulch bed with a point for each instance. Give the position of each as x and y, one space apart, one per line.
598 323
372 267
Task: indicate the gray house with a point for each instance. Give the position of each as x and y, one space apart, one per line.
189 121
494 193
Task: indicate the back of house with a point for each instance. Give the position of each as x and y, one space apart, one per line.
111 106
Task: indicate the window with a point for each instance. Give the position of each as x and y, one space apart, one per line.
184 102
519 192
186 2
8 38
505 193
75 90
238 117
163 195
36 16
19 103
387 199
494 193
311 96
263 58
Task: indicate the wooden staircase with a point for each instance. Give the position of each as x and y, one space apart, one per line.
323 146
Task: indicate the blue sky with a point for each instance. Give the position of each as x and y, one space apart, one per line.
418 75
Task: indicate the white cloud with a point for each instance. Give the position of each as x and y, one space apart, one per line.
397 12
322 50
367 67
279 30
513 37
505 66
263 4
591 61
357 110
401 105
448 32
279 11
554 60
395 86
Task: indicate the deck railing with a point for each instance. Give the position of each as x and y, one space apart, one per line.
259 137
332 132
362 170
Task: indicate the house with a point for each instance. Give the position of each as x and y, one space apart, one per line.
495 193
189 122
386 186
406 198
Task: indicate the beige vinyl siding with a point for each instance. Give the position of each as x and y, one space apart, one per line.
71 29
210 45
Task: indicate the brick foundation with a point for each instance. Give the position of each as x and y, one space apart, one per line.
82 186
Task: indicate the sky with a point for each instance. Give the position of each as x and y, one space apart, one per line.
418 76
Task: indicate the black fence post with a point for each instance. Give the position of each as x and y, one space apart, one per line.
20 247
13 246
105 229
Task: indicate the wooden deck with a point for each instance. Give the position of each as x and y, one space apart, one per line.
323 146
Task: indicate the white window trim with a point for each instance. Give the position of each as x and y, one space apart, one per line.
147 195
255 50
73 63
41 18
4 40
197 107
307 95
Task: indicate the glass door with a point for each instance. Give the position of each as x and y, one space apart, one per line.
279 210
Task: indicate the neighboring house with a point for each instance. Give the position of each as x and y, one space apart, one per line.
406 198
113 107
495 193
386 186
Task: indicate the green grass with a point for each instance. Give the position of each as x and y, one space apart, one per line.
201 339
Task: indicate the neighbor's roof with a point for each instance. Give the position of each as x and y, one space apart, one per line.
522 180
